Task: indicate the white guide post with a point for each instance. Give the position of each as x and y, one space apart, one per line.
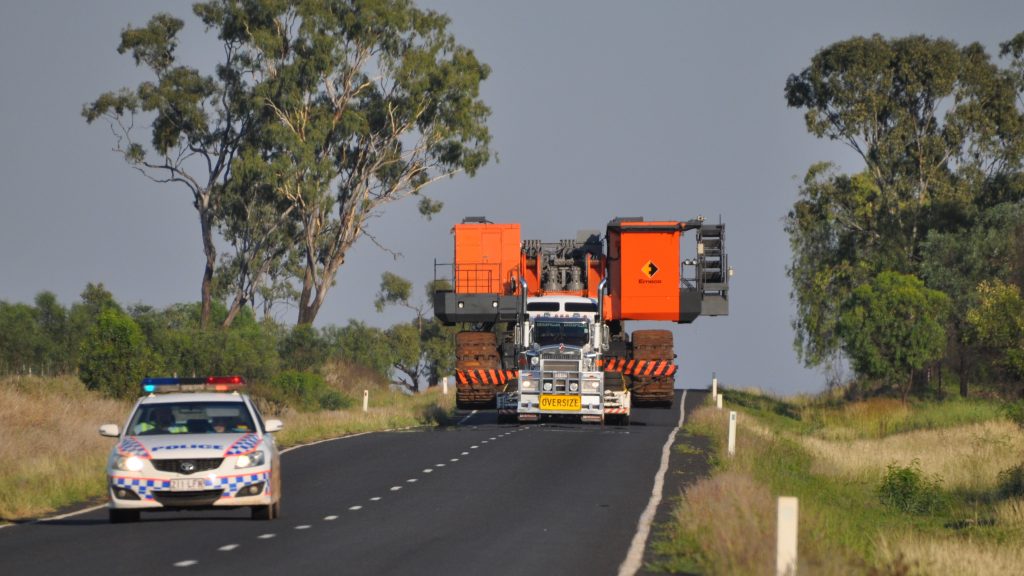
444 385
719 401
714 385
732 433
785 555
366 400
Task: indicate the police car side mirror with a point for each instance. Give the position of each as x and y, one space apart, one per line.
273 425
110 430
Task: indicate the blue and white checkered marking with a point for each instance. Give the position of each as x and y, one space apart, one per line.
131 445
232 484
243 445
142 486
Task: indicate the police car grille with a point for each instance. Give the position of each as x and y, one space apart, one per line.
197 498
198 465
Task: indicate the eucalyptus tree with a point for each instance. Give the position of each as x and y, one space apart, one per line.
197 121
934 123
362 103
892 326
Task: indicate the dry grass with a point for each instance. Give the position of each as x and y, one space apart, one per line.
953 556
1010 513
966 457
51 454
732 517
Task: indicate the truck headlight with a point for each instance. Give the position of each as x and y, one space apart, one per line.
525 384
129 463
249 460
573 386
591 385
548 386
534 360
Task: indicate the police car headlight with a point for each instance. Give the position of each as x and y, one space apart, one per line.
129 463
249 460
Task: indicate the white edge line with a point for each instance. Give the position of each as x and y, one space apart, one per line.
635 557
286 450
467 417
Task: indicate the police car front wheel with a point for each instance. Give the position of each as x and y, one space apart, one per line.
123 516
266 512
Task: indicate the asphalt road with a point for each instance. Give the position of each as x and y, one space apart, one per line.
478 498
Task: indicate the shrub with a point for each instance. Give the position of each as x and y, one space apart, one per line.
304 391
1011 482
906 489
114 356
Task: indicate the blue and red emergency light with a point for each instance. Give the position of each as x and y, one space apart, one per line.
208 384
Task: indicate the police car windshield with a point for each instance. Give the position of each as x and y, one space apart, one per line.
191 418
546 333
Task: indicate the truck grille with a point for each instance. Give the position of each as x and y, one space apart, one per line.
560 365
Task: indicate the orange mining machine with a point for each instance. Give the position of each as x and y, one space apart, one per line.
636 271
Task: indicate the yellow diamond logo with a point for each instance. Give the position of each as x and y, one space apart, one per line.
649 269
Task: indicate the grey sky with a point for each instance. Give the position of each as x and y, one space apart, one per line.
600 109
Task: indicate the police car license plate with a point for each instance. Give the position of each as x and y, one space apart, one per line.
560 402
188 484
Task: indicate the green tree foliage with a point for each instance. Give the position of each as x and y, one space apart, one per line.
22 342
362 104
997 321
361 344
304 391
114 356
940 135
303 348
197 122
424 347
893 326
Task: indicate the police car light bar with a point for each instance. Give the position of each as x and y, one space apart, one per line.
208 384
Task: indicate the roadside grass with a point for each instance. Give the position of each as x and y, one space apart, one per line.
833 458
51 455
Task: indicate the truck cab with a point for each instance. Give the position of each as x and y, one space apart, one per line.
561 341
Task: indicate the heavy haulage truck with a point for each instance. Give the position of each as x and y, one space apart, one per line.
545 322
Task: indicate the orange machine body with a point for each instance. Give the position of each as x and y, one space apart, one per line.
487 258
644 271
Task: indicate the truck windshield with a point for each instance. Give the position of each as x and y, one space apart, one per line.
569 333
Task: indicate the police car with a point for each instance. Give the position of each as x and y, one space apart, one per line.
194 443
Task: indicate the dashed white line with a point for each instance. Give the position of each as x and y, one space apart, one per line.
411 480
303 527
428 470
266 536
356 507
375 499
186 563
330 518
396 488
473 447
227 547
438 465
485 441
465 454
493 438
456 459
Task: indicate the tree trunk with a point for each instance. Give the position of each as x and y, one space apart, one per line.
236 307
206 224
963 373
